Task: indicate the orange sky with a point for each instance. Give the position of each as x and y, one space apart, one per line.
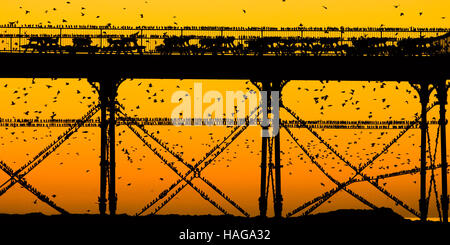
229 13
236 172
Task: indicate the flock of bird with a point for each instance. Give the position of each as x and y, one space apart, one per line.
83 13
353 144
138 157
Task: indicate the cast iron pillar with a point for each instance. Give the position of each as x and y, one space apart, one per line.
103 153
442 98
112 195
270 153
278 201
263 194
107 90
424 94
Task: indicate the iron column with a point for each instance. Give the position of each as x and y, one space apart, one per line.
442 97
103 151
278 202
112 148
424 98
263 194
107 89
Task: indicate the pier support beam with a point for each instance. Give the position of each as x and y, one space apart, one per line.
263 195
278 201
442 98
112 195
264 140
107 90
273 176
103 155
424 94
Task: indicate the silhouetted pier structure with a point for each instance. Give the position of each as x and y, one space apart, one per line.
212 40
268 57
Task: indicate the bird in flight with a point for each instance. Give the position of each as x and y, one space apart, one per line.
244 11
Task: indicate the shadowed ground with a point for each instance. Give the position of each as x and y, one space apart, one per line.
345 216
343 225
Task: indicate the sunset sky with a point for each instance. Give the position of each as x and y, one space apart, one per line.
72 172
